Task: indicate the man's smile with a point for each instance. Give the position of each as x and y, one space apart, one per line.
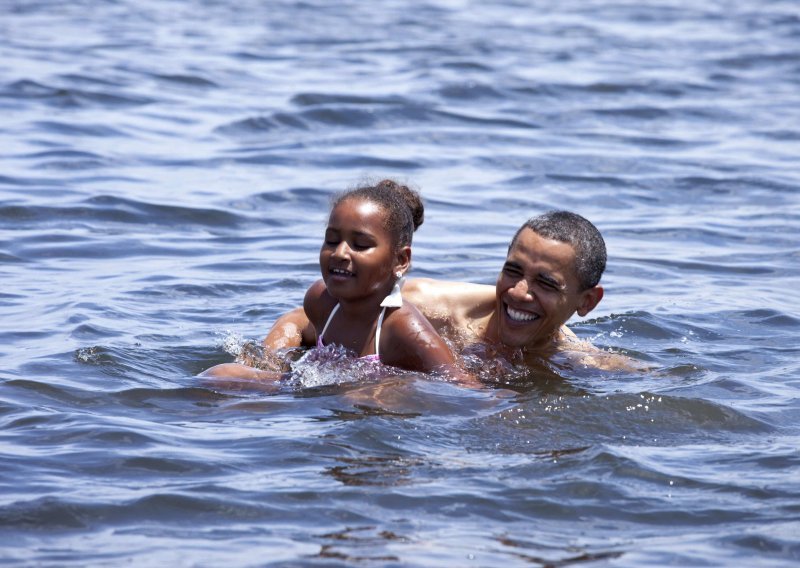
520 316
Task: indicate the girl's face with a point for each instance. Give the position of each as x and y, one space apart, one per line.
357 259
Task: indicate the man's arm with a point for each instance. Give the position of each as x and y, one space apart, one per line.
458 305
446 303
581 352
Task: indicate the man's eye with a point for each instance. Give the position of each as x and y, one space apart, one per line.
548 285
512 271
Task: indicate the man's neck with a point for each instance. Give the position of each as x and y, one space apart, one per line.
491 336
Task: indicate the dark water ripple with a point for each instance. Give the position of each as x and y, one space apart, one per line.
165 176
62 97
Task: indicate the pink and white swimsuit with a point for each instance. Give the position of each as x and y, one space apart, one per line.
376 356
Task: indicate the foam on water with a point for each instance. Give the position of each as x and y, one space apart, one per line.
231 342
333 365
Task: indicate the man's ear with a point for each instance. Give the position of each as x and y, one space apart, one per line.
589 300
403 260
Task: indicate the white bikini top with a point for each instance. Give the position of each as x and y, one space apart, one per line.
376 356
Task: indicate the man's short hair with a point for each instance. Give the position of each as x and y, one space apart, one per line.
577 231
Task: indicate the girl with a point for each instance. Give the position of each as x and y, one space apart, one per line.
357 304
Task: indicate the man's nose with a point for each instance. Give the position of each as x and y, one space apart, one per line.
521 290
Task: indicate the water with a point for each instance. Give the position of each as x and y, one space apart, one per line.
165 177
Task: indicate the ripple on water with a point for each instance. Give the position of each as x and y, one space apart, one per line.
644 325
186 80
318 99
144 366
769 319
563 421
256 125
70 97
57 513
777 540
338 116
53 392
65 155
470 90
79 130
107 209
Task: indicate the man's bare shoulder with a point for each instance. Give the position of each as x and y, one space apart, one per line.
459 311
462 298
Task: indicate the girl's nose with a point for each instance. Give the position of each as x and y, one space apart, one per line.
341 250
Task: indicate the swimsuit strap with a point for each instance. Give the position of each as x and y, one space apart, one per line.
327 323
377 332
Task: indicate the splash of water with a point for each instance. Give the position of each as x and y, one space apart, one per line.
91 355
492 367
331 365
231 342
253 354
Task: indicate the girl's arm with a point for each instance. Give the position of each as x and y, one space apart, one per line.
236 377
292 329
238 371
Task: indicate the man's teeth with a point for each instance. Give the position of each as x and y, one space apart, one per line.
518 315
341 272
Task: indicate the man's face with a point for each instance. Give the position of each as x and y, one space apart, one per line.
537 291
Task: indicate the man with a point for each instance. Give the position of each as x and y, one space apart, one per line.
552 271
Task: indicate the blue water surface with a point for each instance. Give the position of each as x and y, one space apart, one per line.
165 176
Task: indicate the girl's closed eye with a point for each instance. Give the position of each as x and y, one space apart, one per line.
363 244
332 237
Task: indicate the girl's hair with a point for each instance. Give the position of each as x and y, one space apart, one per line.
404 209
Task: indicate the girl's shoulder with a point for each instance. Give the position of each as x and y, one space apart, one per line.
318 303
406 316
409 341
